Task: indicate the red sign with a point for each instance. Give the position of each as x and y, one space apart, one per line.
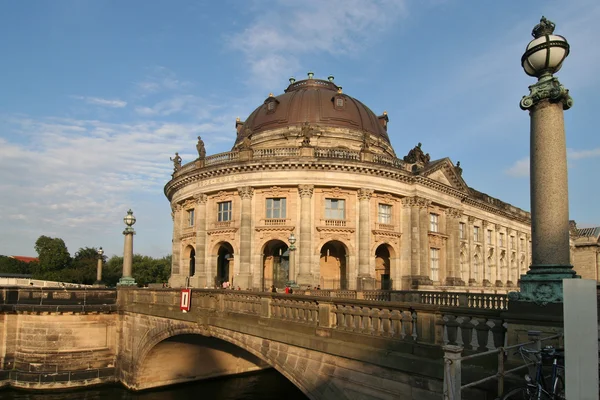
185 301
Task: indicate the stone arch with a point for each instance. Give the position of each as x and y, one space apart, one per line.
253 345
223 255
275 264
333 268
189 259
385 255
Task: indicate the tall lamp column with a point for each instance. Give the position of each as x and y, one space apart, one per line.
99 267
292 272
546 103
127 279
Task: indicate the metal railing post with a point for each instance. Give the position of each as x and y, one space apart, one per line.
452 372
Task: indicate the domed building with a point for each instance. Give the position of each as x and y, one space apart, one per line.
312 192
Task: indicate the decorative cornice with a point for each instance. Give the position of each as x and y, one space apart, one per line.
381 232
274 228
306 190
219 231
365 194
335 229
274 191
246 192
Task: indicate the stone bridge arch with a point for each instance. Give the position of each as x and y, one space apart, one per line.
269 354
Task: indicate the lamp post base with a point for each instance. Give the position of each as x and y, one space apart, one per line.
127 281
543 284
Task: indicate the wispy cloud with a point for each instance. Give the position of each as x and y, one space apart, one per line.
98 101
581 154
189 104
273 46
520 168
159 79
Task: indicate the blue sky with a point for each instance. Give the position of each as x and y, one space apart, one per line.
95 96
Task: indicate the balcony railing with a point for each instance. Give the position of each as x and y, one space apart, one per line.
275 221
221 158
321 152
277 152
385 227
334 222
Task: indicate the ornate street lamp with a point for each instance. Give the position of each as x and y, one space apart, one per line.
292 271
99 267
127 279
546 102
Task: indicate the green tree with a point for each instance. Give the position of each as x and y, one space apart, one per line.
83 267
53 257
145 269
14 266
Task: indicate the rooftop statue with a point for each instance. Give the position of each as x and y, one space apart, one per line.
176 162
201 149
416 155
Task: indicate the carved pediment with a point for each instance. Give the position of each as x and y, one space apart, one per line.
444 172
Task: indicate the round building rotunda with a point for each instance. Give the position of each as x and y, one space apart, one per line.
312 194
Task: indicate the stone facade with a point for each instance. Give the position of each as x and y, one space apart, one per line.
364 219
585 251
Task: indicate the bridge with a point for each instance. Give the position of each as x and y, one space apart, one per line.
331 345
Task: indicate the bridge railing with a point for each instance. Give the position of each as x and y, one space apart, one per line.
431 320
57 299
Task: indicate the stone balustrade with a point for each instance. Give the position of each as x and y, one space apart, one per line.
418 318
46 299
290 152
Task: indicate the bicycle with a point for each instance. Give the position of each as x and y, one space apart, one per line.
541 387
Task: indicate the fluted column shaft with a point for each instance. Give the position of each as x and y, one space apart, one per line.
201 233
471 254
243 280
424 233
304 275
453 276
364 235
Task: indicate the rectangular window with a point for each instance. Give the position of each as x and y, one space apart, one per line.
435 264
501 240
433 223
476 234
522 244
512 242
461 230
276 208
334 209
384 215
224 213
190 215
489 237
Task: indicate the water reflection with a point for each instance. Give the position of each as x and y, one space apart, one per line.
264 385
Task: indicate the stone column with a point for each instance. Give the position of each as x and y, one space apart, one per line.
176 216
470 233
127 279
425 274
485 265
304 275
365 281
201 276
453 277
406 249
546 103
99 268
244 279
498 255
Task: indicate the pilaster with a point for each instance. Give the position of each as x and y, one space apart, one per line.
304 274
244 279
364 236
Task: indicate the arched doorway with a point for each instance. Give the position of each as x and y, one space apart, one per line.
190 260
276 264
224 265
382 267
333 266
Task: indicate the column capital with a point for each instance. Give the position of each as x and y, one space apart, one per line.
547 90
498 227
306 190
484 223
454 213
365 194
416 201
471 219
246 192
201 198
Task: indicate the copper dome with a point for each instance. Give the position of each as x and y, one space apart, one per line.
313 101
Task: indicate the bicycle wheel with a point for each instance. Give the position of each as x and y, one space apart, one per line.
560 388
525 393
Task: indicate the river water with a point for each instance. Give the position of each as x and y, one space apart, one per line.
263 385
